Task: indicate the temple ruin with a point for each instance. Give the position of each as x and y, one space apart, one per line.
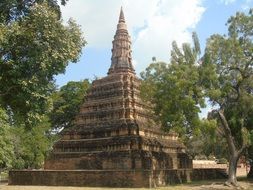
115 140
115 128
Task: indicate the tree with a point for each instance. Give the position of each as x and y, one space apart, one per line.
177 95
174 89
224 76
33 49
31 146
227 74
67 102
35 46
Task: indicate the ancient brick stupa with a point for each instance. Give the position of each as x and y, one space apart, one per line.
115 141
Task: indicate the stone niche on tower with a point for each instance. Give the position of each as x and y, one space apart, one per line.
115 141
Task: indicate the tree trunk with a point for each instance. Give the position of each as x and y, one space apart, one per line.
250 174
234 153
232 170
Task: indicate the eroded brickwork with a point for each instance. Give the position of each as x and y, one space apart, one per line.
115 129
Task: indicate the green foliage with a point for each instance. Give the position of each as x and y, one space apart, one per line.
12 10
33 50
31 146
227 74
6 145
35 46
66 103
207 141
174 89
224 76
222 161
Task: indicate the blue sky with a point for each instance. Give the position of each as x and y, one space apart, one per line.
152 24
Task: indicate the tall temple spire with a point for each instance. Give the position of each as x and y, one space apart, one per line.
121 16
121 60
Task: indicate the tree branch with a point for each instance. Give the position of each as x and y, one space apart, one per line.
5 93
242 149
245 142
227 131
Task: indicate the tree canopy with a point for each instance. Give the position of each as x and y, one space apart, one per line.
175 89
67 102
227 75
35 46
224 77
13 10
33 50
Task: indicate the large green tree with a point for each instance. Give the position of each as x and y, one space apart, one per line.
224 77
33 49
177 95
67 102
175 90
227 74
35 46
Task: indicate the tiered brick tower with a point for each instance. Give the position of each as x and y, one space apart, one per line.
115 129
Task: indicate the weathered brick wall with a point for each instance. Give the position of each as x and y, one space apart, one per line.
98 178
208 173
111 178
166 177
80 178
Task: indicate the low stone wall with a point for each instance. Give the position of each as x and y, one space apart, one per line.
110 178
98 178
165 177
208 173
79 178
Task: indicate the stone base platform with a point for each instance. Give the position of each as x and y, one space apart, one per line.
99 178
199 174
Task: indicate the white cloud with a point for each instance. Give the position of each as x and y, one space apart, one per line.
171 20
227 2
152 24
97 18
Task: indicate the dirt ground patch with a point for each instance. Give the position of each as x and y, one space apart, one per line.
200 185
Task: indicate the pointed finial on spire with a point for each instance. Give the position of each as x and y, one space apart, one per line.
121 24
121 16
